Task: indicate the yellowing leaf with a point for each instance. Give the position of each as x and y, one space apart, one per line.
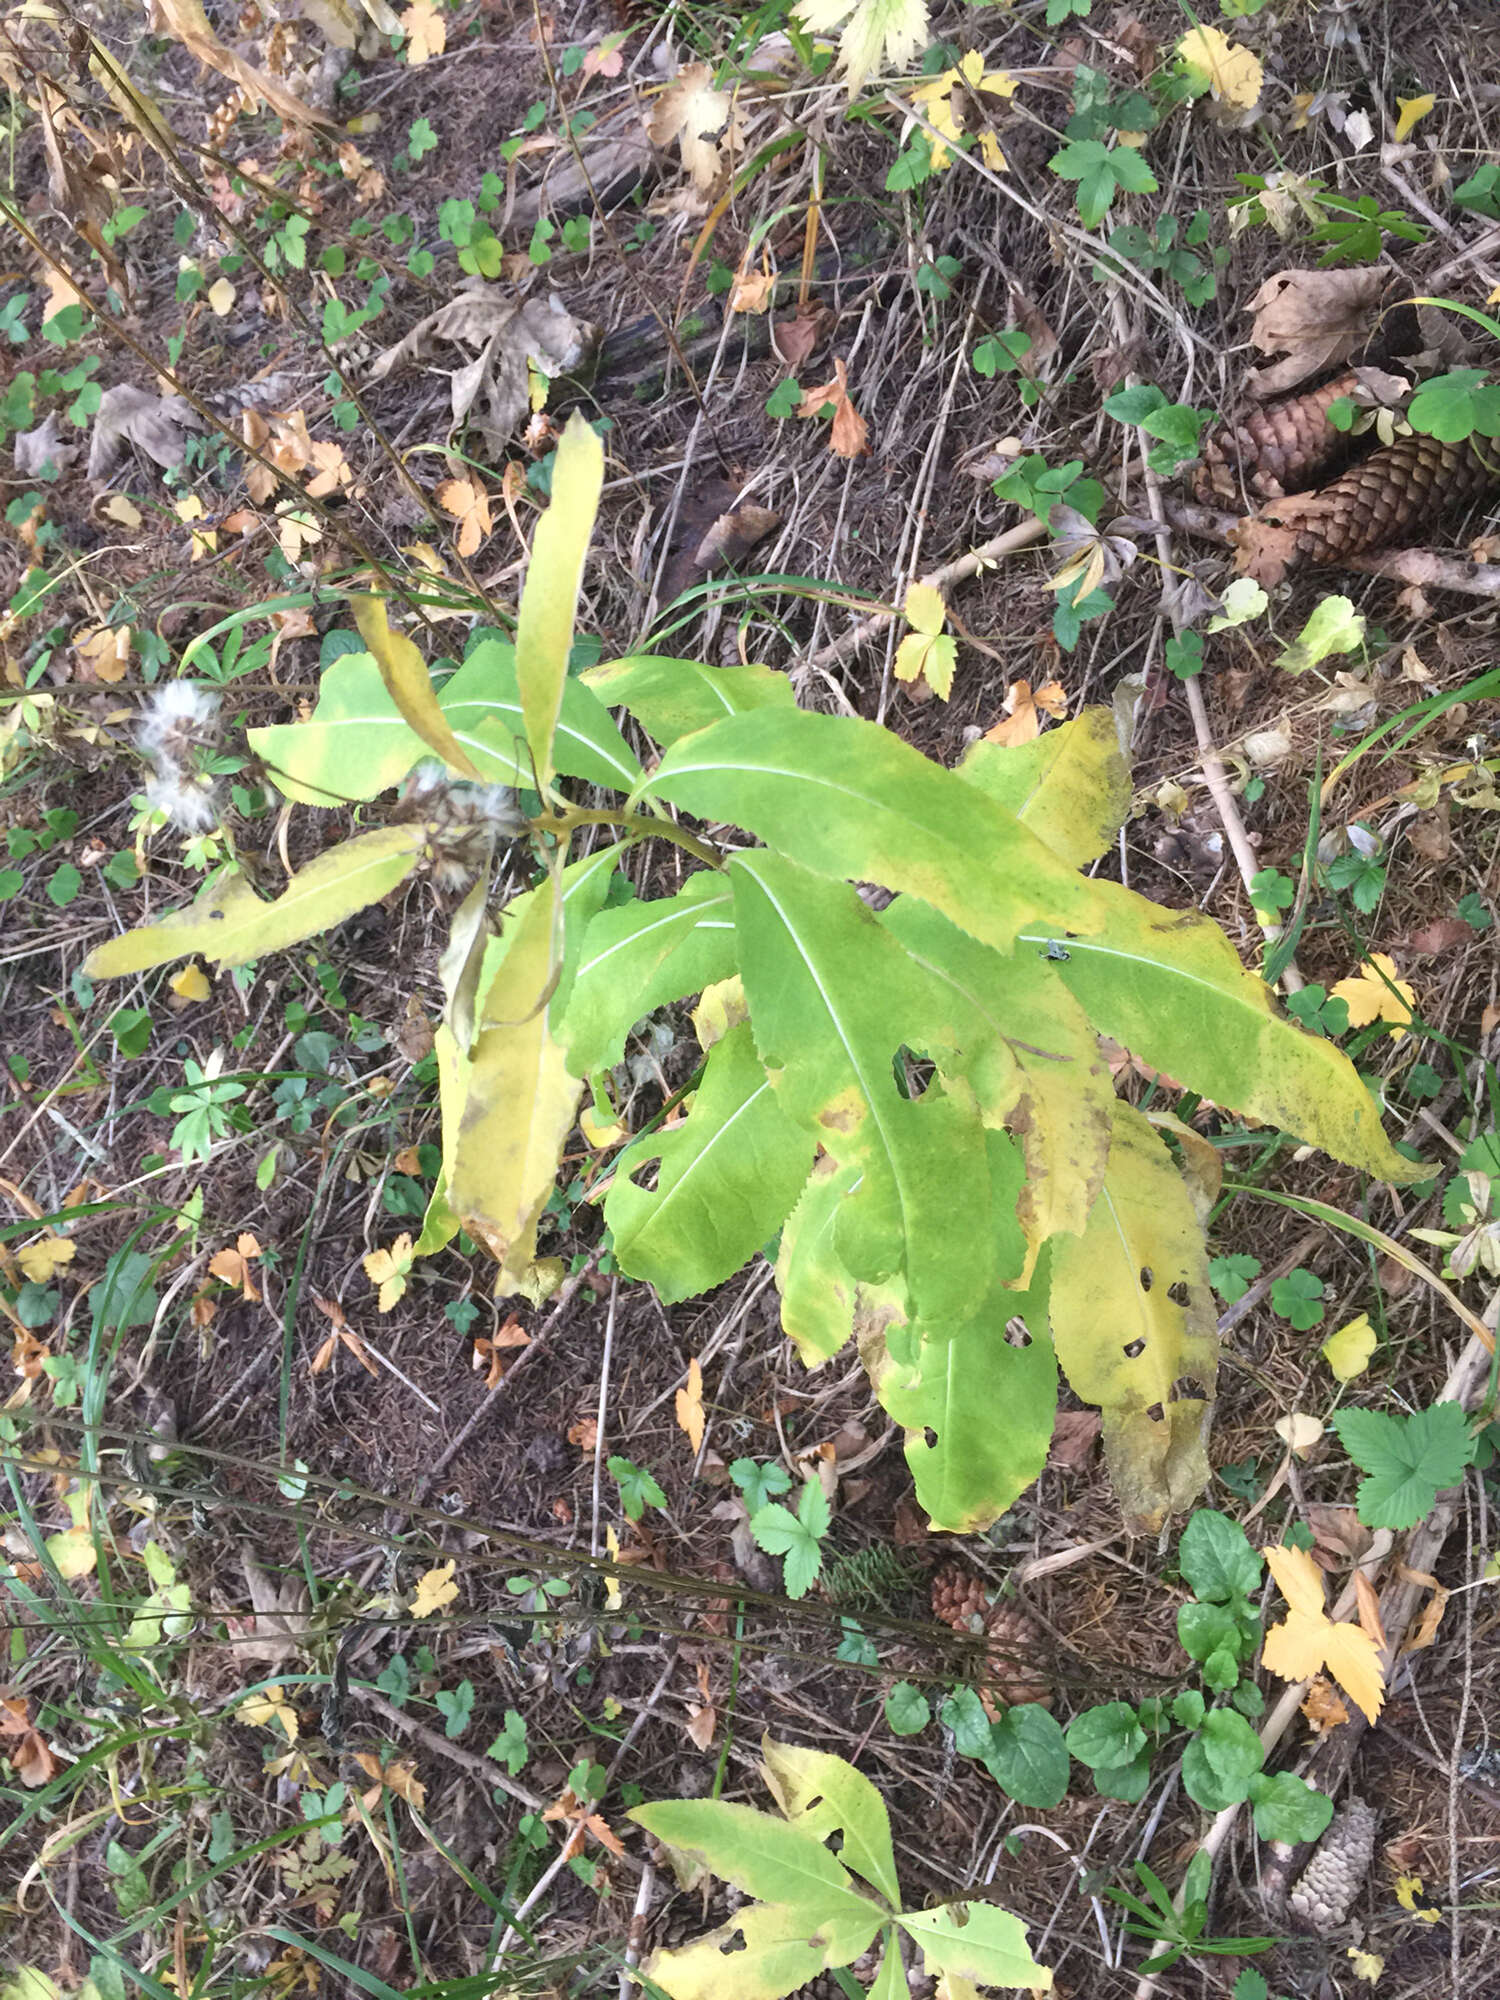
1307 1641
689 1405
875 31
921 657
190 983
271 1710
1234 74
1408 1888
221 297
1413 110
388 1269
720 1007
549 599
425 30
945 111
1132 1318
409 684
435 1588
1367 1965
1369 996
41 1262
1348 1351
925 609
466 500
73 1551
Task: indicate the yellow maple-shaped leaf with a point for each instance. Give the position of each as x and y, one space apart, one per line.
1308 1642
688 1405
874 32
40 1262
388 1269
466 500
190 983
944 114
1413 110
425 30
1234 74
1374 993
1348 1351
435 1588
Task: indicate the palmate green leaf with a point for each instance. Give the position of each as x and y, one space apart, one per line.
849 799
832 999
976 1941
978 1404
672 698
641 955
1032 1060
817 1292
549 599
824 1795
1070 786
1132 1315
230 925
357 745
726 1177
1169 985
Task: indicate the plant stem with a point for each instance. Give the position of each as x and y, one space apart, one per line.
646 826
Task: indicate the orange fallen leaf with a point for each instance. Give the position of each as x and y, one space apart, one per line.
849 437
688 1405
425 30
1308 1640
1023 710
466 500
343 1334
488 1349
233 1265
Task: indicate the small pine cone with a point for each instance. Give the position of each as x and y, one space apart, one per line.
1385 498
1325 1893
958 1598
1279 448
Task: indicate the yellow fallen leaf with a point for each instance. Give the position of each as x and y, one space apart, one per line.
466 500
191 983
1408 1888
425 30
612 1597
41 1262
190 508
601 1132
104 649
74 1551
1374 993
1348 1351
1299 1432
1234 74
271 1710
1308 1641
435 1588
688 1405
388 1269
221 296
1413 110
1367 1965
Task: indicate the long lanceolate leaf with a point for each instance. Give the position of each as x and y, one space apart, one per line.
833 999
409 683
1169 985
357 743
544 626
230 925
848 799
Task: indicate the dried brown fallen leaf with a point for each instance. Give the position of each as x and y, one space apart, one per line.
185 21
733 536
155 425
1442 934
32 451
1315 319
849 437
466 500
232 1265
692 112
1263 550
795 339
1023 712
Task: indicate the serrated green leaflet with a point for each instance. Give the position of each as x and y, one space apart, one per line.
726 1177
230 925
832 1000
976 1941
356 744
824 1795
1169 986
671 698
641 955
847 799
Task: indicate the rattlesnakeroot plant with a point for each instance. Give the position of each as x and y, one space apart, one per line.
907 1109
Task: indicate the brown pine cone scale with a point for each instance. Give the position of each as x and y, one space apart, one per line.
1388 497
1334 1877
1278 448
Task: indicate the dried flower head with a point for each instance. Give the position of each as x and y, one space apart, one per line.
186 798
465 821
180 719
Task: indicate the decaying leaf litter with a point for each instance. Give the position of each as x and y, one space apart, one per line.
917 436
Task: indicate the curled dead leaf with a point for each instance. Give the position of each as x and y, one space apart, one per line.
1315 319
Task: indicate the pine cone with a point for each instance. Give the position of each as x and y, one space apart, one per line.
958 1599
1333 1878
1394 491
1277 448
